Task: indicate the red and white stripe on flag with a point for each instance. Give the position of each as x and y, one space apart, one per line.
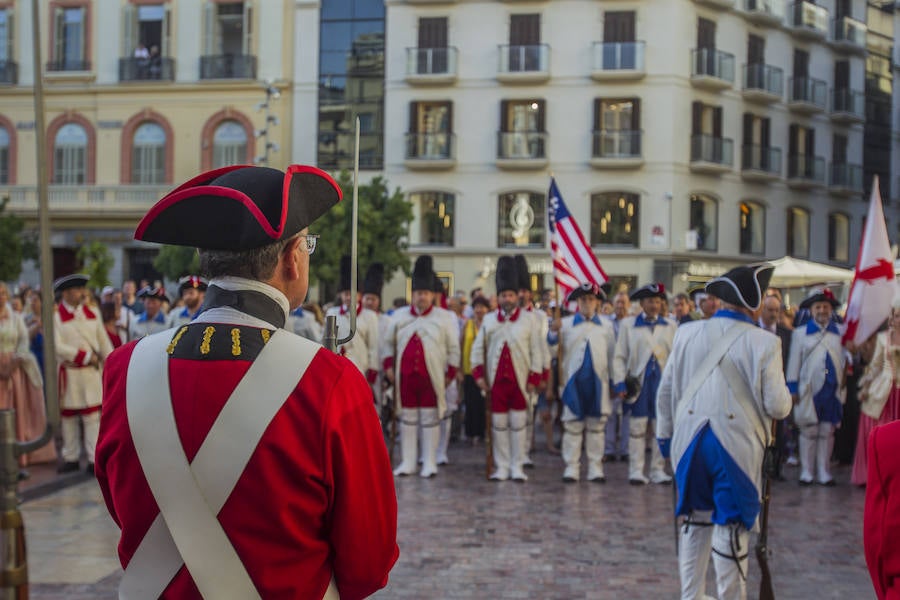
874 284
574 262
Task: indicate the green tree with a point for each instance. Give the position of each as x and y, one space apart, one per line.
174 262
15 243
384 219
96 261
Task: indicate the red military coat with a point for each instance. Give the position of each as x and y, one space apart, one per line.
317 496
881 527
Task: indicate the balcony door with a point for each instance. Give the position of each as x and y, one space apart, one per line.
432 126
757 141
839 149
522 128
524 43
706 46
801 148
432 53
706 129
228 28
619 38
617 123
145 26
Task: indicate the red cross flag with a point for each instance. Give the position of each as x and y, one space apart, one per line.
874 284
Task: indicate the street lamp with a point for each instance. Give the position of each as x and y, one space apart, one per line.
272 93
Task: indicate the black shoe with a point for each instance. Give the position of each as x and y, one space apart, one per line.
24 474
637 482
598 480
569 480
805 483
89 469
528 465
623 458
609 458
829 483
68 467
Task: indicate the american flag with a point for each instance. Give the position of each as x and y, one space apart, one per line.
573 261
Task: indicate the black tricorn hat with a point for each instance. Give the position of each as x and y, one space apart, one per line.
240 207
507 276
153 292
70 281
374 281
192 282
586 289
606 288
742 286
522 273
818 295
423 274
651 290
345 273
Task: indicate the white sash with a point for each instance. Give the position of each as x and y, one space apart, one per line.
190 496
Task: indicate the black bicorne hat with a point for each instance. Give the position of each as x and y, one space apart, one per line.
522 273
70 281
507 276
651 290
819 295
153 292
374 281
191 282
586 289
240 207
742 286
423 274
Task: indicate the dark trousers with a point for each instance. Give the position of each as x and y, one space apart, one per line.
474 408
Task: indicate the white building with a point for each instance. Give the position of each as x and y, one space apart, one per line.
685 136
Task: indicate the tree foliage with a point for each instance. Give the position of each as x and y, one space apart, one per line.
96 260
174 262
384 219
15 245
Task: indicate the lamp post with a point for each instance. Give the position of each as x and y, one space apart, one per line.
272 93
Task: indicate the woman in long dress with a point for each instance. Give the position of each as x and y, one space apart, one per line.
21 384
884 367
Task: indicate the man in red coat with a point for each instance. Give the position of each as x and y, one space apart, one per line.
240 460
881 525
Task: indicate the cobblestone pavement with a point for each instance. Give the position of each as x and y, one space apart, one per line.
463 537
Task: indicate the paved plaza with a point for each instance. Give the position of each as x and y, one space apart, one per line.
463 537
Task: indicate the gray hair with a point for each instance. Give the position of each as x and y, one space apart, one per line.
256 263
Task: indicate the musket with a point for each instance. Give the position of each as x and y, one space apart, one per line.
488 415
330 339
395 398
766 592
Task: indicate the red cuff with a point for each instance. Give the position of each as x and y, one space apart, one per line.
545 376
371 375
79 358
451 372
388 363
478 372
534 379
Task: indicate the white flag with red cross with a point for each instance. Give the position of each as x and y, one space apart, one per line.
874 284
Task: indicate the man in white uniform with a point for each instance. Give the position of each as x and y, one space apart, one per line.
362 349
421 356
588 348
81 347
722 386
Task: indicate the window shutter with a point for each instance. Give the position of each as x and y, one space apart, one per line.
248 48
210 33
764 126
449 118
433 32
166 46
635 114
59 39
841 74
129 30
706 33
542 109
10 35
756 50
717 121
748 130
598 114
839 149
801 63
618 26
810 142
414 117
524 30
696 118
504 116
793 137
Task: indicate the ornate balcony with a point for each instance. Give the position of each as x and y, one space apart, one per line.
519 150
711 155
431 66
849 35
430 151
228 66
806 171
143 69
807 95
616 149
764 12
712 69
524 64
618 60
763 83
87 201
760 163
845 179
808 20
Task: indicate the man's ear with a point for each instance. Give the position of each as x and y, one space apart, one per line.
290 260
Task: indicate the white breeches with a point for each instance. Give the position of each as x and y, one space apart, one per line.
729 547
71 450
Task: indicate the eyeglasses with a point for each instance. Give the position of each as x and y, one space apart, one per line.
311 240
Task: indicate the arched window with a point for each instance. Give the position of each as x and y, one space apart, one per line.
753 228
4 155
521 219
705 221
437 217
839 237
798 232
70 155
148 155
229 144
614 219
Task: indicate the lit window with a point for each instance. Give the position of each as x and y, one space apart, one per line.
521 219
704 221
70 155
614 219
436 216
753 228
